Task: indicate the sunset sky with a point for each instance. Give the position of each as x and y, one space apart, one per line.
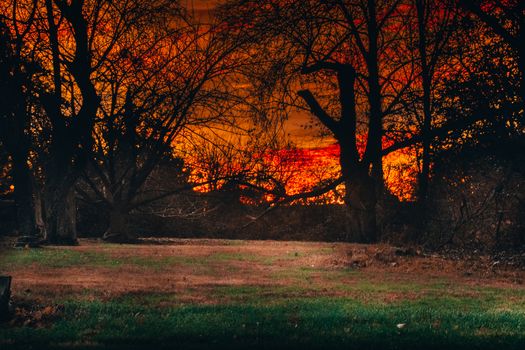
302 137
322 152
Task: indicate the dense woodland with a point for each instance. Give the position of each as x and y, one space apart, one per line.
121 119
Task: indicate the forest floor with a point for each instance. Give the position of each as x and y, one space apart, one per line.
183 293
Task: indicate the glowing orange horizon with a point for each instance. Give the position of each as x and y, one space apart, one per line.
300 170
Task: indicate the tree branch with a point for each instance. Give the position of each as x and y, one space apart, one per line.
319 112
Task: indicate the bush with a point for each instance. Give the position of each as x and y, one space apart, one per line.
477 199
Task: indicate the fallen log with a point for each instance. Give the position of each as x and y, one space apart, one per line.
5 295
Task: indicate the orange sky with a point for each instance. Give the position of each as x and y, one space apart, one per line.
302 137
322 153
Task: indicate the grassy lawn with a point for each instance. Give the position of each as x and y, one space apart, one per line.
298 323
237 296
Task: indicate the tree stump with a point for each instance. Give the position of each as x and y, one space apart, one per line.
5 295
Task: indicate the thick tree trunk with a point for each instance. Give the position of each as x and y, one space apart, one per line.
18 146
71 136
25 204
14 134
361 201
118 231
61 215
23 194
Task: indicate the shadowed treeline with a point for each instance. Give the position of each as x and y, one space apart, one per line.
119 117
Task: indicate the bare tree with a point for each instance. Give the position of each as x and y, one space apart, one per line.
79 40
174 79
435 23
353 50
16 89
506 19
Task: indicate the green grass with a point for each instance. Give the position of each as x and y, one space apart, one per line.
300 274
302 307
253 258
334 323
63 257
227 257
56 258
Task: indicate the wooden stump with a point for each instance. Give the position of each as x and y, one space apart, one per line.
5 295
